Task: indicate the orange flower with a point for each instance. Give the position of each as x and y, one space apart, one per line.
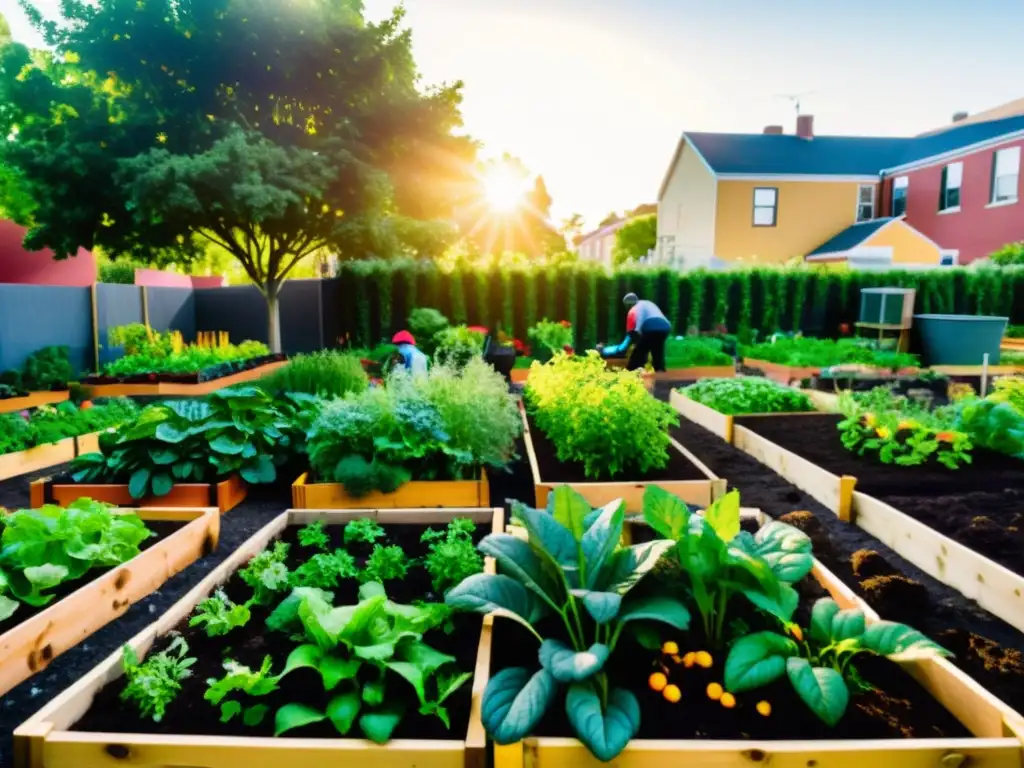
945 437
906 425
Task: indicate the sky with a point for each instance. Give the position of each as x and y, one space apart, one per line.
594 94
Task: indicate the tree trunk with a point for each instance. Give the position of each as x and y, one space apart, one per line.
273 320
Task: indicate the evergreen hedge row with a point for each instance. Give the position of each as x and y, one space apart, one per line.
377 296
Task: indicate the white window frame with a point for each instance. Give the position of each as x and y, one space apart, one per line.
860 204
900 182
773 207
1009 158
950 173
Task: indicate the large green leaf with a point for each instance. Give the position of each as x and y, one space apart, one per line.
373 692
756 660
567 665
413 675
486 593
517 559
602 606
848 624
170 433
780 602
600 540
292 716
665 513
548 535
226 445
515 701
786 549
45 576
262 472
627 566
334 669
570 509
138 483
423 657
378 725
306 656
900 642
723 515
161 483
822 689
605 733
7 607
163 456
343 709
666 610
822 614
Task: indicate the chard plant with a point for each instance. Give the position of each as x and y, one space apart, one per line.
155 683
820 664
368 656
718 562
572 568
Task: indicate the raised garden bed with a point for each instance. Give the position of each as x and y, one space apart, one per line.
89 725
35 459
225 495
33 637
784 374
684 476
960 526
722 423
185 385
417 493
33 400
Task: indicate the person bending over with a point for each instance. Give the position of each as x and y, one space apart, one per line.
408 355
647 329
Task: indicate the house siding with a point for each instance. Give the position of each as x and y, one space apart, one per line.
809 213
975 230
907 244
686 212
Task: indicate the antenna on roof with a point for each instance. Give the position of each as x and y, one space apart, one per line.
794 98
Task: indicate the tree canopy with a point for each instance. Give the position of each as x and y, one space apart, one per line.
635 239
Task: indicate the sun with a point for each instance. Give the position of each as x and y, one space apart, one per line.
504 189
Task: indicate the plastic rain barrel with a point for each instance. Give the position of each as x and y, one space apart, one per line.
959 339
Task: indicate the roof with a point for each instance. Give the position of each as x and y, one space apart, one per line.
851 237
1009 109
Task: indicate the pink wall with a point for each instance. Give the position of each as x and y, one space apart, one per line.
155 278
39 267
976 229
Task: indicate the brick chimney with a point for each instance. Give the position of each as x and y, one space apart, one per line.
773 130
805 126
960 117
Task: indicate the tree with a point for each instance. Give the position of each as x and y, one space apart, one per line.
572 228
5 31
272 129
635 239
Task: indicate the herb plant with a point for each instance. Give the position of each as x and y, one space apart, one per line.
385 564
748 394
217 615
267 573
451 556
327 373
240 679
148 351
820 664
457 345
324 571
572 568
363 531
548 338
314 535
154 684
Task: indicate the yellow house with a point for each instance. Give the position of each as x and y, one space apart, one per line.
767 198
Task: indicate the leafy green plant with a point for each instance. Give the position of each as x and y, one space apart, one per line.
148 351
425 324
48 368
820 664
457 345
605 420
267 573
696 351
324 571
748 394
363 531
718 562
240 679
451 555
327 373
49 424
361 652
218 615
385 563
155 683
993 423
314 535
804 351
548 338
571 568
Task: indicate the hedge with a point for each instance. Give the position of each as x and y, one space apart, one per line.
378 296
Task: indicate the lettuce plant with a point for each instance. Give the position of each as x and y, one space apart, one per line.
385 564
451 556
314 535
218 615
820 664
571 567
748 394
717 561
367 655
267 573
324 570
155 683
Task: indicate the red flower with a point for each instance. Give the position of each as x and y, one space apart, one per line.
844 329
477 329
565 324
519 346
568 349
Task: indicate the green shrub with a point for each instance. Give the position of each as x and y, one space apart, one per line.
327 374
47 368
804 351
748 394
49 424
424 324
548 338
119 272
457 345
1011 254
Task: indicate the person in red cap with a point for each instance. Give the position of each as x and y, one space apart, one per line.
413 360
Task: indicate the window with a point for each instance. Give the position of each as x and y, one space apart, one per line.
866 202
947 260
949 194
1005 174
766 204
899 195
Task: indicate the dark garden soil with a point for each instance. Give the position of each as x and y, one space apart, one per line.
986 648
162 529
554 471
218 371
191 714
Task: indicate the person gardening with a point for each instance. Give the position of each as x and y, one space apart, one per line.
409 356
647 329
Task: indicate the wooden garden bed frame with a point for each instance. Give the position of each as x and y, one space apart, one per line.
698 492
46 741
784 374
35 459
418 493
89 443
723 424
998 731
33 400
171 389
30 646
225 495
1012 343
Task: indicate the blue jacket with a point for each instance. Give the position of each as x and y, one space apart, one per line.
415 361
644 317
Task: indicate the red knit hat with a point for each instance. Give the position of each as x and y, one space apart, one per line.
403 337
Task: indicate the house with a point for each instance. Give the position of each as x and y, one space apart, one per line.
768 198
39 267
597 245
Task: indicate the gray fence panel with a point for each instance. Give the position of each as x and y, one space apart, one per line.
240 310
301 329
116 305
36 316
330 311
172 309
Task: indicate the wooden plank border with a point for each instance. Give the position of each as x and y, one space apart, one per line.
784 374
225 495
418 493
998 731
33 400
698 492
32 645
35 459
722 424
170 389
46 741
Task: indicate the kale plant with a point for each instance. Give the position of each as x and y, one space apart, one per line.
363 531
154 684
385 564
314 535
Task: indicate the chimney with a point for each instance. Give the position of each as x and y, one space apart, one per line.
773 130
805 126
960 116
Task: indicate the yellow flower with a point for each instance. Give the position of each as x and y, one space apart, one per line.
883 432
906 425
869 419
162 138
